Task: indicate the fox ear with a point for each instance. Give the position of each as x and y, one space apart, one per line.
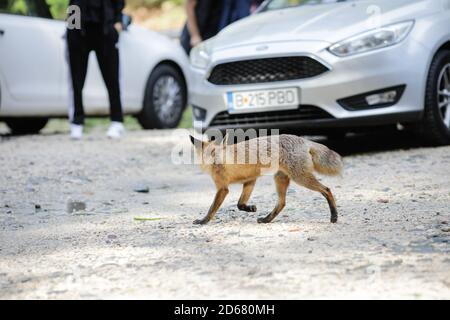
217 138
195 142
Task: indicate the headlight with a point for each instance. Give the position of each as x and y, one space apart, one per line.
375 39
201 55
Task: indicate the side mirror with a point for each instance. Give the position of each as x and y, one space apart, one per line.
126 21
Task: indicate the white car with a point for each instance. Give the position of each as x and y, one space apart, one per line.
328 65
34 72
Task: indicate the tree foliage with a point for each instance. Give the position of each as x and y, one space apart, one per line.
58 7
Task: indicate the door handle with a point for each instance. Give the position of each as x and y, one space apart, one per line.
2 32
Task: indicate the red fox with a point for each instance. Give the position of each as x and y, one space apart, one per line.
296 159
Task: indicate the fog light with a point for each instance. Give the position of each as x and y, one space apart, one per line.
382 98
199 113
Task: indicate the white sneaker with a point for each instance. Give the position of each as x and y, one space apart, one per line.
76 131
116 130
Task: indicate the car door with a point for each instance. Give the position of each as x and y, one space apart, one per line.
32 57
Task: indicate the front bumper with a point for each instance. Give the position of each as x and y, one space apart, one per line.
403 64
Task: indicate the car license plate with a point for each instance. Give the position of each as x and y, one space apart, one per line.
284 97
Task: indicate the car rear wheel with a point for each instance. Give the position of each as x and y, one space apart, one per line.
165 99
437 100
26 125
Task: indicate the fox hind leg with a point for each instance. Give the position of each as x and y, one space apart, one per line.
245 196
282 183
309 181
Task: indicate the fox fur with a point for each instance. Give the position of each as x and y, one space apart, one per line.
295 159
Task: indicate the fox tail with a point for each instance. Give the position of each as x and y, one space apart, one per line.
326 161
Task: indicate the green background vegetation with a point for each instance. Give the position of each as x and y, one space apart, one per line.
101 124
151 3
58 7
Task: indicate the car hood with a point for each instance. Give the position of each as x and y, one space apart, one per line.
327 22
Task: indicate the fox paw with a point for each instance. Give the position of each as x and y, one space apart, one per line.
334 219
246 208
201 221
263 220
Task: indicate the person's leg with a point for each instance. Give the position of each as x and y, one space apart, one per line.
108 60
185 40
78 55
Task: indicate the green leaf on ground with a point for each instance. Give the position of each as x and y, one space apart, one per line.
146 219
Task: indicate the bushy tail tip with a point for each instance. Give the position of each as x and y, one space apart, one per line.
326 161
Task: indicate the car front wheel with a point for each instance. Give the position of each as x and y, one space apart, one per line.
437 100
165 99
26 125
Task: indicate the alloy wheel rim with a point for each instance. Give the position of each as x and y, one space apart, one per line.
444 95
167 98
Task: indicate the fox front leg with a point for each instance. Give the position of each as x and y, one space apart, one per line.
218 200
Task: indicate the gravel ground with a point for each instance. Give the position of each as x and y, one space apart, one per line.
392 240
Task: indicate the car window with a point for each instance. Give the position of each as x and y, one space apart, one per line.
32 8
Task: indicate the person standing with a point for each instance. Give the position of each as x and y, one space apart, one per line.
234 10
101 23
203 17
255 4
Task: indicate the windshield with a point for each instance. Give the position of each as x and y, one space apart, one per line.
280 4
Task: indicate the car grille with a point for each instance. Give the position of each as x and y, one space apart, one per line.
266 70
225 119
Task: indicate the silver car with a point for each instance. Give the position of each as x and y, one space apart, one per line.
328 65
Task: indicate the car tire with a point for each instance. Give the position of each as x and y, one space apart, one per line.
21 126
336 135
165 99
436 121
